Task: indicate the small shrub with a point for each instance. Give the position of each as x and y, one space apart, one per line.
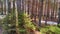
50 30
25 22
59 25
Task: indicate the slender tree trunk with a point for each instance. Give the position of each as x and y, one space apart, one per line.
40 12
47 17
16 12
2 2
59 17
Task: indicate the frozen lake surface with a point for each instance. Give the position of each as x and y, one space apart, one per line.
50 22
2 16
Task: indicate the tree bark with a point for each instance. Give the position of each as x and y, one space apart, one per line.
16 12
40 12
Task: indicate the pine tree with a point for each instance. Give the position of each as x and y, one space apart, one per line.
25 22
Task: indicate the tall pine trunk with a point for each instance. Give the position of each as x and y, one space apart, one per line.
16 14
40 12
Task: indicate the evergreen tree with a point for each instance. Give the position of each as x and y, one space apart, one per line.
25 22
